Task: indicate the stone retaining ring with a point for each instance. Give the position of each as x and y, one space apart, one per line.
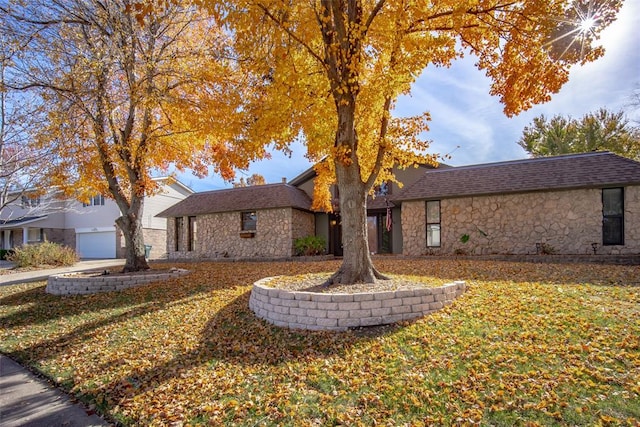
339 312
79 284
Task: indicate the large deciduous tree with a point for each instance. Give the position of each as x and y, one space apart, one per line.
332 70
127 97
602 130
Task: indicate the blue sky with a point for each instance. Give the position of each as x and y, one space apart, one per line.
470 124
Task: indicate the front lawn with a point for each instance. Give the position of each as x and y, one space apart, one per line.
527 344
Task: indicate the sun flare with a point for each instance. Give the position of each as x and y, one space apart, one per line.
579 27
587 24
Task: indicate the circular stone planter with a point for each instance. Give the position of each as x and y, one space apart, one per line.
339 312
88 283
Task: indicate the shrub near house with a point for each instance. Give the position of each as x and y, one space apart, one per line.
46 253
309 245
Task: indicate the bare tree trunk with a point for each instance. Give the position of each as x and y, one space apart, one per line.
131 227
357 266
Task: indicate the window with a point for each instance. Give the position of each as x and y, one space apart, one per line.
191 244
179 226
30 202
34 235
613 216
249 220
97 200
433 224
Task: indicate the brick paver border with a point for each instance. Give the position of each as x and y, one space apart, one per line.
78 284
339 312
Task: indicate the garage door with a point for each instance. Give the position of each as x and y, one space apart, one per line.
100 244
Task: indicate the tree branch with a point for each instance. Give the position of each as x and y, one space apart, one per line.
26 20
290 33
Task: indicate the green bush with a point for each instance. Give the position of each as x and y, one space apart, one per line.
47 253
4 253
547 249
310 245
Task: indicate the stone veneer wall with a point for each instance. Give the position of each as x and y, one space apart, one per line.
158 240
569 221
303 224
70 237
219 235
76 284
338 312
55 235
414 228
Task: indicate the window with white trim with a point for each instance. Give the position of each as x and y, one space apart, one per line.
97 200
34 235
433 223
30 202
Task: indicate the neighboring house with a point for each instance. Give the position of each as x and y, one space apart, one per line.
90 227
244 222
573 204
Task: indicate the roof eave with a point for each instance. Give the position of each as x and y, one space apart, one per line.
19 223
523 191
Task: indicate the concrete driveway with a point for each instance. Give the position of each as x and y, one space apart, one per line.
36 275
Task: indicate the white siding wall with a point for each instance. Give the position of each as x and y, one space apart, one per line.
155 204
104 216
92 216
53 208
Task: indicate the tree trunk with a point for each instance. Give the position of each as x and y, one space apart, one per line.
357 266
131 227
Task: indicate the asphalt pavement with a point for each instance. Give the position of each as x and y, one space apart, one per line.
29 400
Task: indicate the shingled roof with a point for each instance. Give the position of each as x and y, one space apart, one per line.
597 169
240 199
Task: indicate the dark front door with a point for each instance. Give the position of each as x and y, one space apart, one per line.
335 235
378 233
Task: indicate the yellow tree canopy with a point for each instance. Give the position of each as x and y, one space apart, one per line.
330 71
315 59
129 99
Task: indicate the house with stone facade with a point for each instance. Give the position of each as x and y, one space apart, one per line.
245 222
574 204
87 227
263 221
384 227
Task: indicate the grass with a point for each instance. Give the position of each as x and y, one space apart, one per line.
527 344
